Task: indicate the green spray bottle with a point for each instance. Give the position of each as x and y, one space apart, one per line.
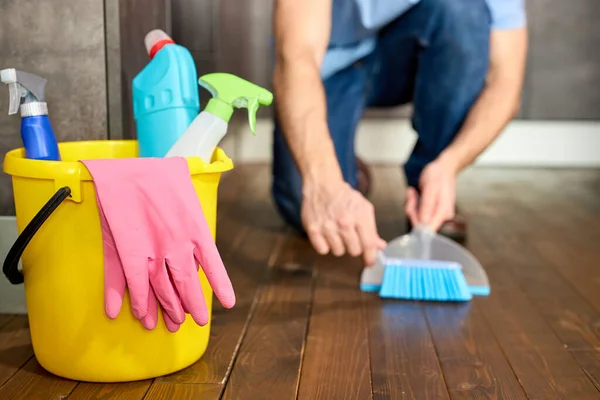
210 126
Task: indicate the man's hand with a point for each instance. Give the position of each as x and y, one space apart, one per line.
438 195
496 106
339 219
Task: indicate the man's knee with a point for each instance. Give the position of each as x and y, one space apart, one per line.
289 205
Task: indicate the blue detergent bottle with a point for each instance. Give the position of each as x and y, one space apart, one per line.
37 134
165 95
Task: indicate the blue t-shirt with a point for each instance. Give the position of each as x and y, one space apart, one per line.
355 24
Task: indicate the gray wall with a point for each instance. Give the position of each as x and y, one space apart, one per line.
226 36
67 47
563 80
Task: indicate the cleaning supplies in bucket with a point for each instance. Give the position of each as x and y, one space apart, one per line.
210 126
60 246
165 95
155 234
27 94
423 265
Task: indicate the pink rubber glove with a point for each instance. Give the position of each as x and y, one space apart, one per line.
115 282
160 235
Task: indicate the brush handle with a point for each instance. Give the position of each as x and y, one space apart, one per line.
424 234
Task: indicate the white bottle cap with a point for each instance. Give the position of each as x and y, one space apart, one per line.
8 76
154 37
33 109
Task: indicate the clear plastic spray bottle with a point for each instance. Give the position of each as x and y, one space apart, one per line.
210 126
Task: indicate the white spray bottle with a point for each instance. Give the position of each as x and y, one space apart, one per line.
210 126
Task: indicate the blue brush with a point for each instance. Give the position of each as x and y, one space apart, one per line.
428 280
423 265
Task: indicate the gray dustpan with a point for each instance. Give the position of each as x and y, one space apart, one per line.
419 244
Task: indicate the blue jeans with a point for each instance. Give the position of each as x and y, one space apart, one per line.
436 56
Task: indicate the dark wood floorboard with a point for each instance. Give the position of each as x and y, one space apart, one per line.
399 338
34 382
571 246
575 320
473 362
21 376
302 328
5 319
541 271
590 362
269 360
15 346
336 359
112 391
171 391
543 366
501 240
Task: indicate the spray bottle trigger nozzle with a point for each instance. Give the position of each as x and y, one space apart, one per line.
252 109
15 90
15 93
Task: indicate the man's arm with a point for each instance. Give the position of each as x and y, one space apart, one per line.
336 217
302 30
497 104
495 107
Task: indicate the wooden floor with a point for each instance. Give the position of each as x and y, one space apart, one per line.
302 329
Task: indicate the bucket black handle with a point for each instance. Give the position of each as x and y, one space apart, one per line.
11 263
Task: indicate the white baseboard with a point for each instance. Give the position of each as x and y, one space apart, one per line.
523 143
12 297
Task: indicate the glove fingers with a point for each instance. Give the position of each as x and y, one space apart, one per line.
171 325
166 291
114 284
211 263
150 320
114 278
138 283
185 310
184 271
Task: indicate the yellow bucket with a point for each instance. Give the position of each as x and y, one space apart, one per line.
63 270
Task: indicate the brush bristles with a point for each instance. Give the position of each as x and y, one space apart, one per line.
428 283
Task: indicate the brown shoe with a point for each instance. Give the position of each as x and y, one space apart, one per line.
455 229
364 178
